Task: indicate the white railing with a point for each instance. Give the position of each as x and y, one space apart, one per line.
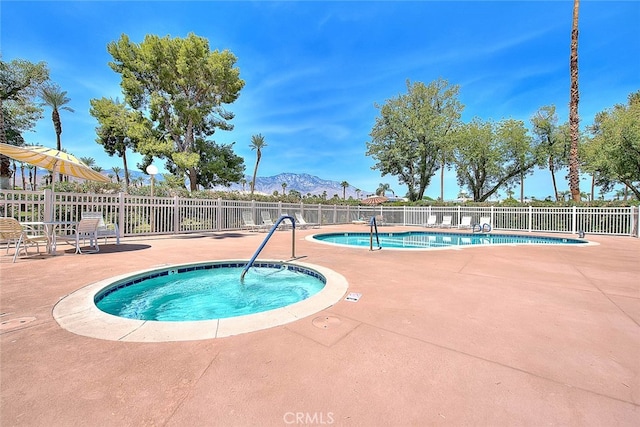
143 215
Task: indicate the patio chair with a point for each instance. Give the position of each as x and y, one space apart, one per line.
380 220
431 221
104 230
266 219
304 224
249 224
86 229
465 222
12 231
446 222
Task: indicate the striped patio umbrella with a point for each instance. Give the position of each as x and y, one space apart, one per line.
374 200
53 160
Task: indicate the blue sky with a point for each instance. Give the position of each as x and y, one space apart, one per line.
314 70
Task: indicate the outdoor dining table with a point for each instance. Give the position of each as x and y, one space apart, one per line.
50 228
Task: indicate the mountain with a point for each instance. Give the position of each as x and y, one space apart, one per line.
302 182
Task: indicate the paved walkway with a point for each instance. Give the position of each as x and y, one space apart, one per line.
510 335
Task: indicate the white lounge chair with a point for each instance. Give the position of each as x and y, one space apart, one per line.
249 224
446 221
431 221
104 230
266 219
86 229
12 231
304 224
465 222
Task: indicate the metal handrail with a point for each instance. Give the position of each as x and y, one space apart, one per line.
266 239
373 225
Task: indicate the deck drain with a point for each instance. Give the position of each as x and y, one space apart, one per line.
326 322
15 323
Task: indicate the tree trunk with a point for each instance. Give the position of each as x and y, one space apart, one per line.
553 179
126 171
574 120
442 182
193 179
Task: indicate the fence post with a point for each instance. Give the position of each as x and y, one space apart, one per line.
218 226
48 205
493 222
121 215
574 217
530 218
176 215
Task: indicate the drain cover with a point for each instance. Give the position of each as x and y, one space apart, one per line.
15 323
325 322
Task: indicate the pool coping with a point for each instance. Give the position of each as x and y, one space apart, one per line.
583 242
77 312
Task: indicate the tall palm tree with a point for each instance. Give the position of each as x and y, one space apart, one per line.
284 188
344 185
257 143
55 98
574 119
382 189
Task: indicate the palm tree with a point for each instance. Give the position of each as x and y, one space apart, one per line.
88 161
116 170
284 186
574 119
257 143
55 98
344 185
382 189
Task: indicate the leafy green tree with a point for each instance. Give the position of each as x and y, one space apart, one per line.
551 141
613 152
520 148
489 156
219 165
182 86
412 132
257 143
119 129
20 81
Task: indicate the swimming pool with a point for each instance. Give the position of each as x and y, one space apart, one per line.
209 291
435 240
78 312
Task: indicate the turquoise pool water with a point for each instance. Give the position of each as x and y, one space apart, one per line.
428 239
209 291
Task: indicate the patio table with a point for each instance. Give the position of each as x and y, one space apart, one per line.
50 228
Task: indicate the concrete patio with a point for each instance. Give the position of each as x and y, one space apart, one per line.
505 335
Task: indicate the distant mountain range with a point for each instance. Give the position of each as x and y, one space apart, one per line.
301 182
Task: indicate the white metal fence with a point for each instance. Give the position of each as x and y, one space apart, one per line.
143 215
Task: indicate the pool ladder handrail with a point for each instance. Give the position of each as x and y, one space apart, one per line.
266 239
373 226
486 228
